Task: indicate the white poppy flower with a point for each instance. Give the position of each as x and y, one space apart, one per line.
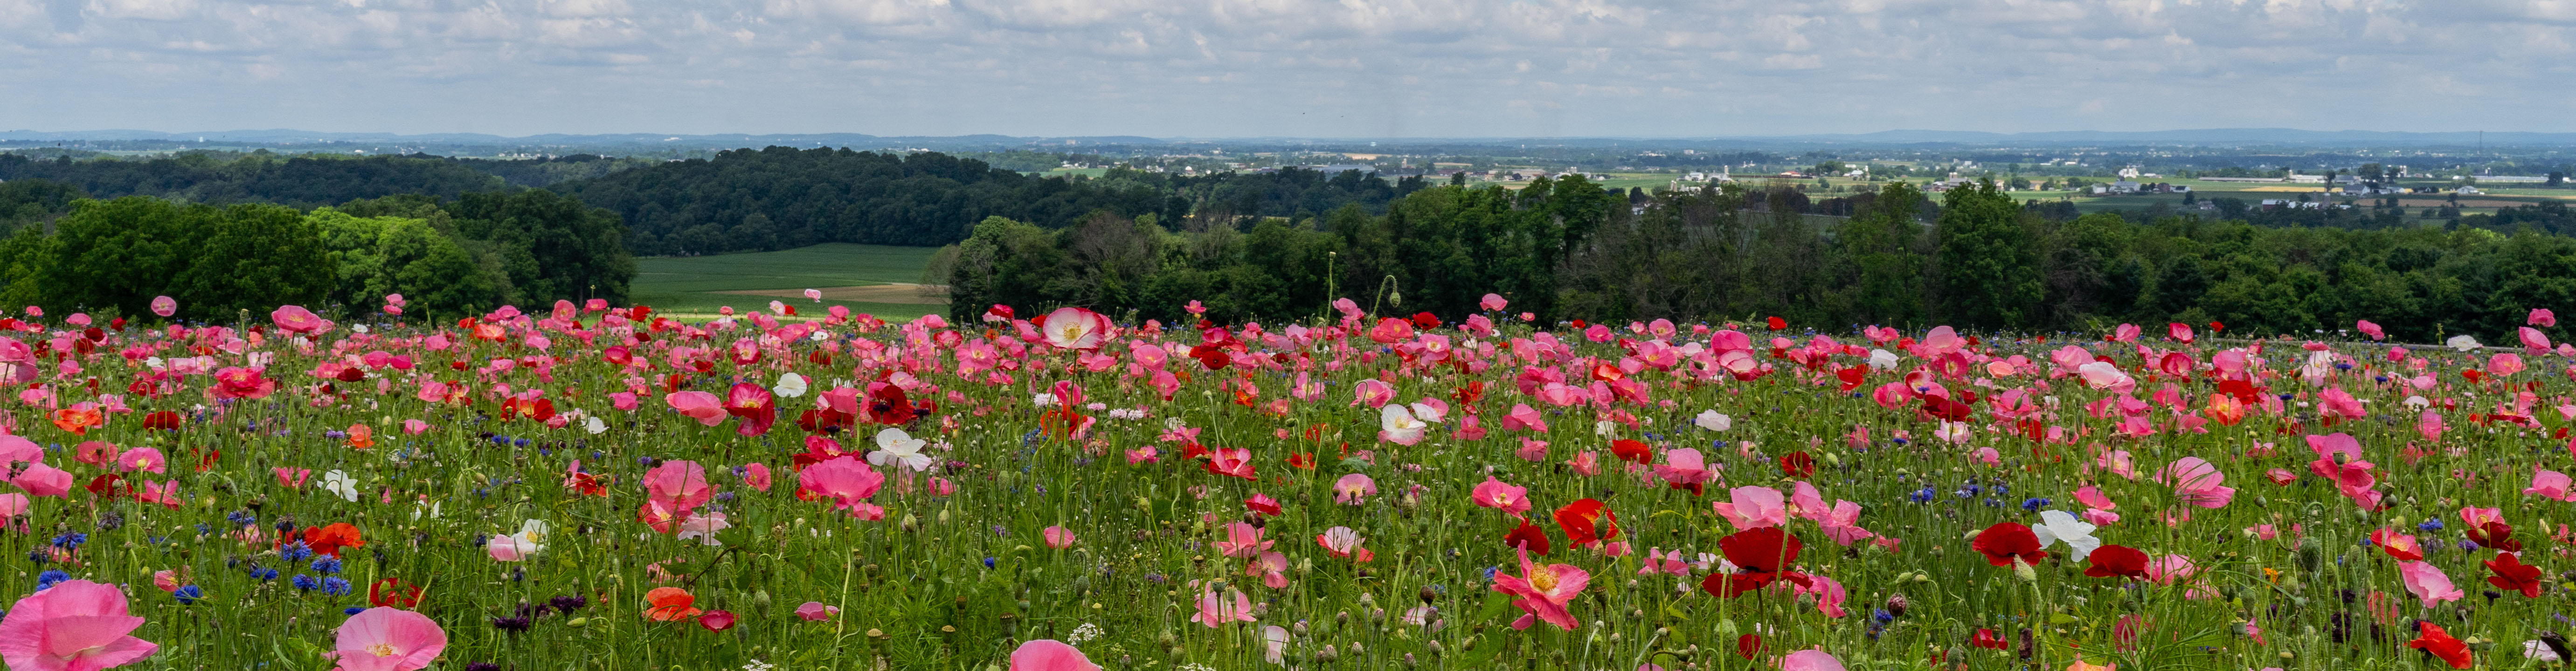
895 446
2058 526
2464 342
790 385
338 482
1713 420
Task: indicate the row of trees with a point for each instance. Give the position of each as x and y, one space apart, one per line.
782 197
1437 249
1975 258
463 256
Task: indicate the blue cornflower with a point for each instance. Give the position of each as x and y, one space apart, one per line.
1881 616
295 551
305 582
263 573
241 518
335 586
2001 490
327 565
47 579
71 541
2430 525
988 562
2033 505
188 594
1924 495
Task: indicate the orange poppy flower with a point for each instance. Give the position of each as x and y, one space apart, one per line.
362 436
669 604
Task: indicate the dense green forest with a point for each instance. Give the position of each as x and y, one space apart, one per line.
467 255
780 197
1568 249
465 235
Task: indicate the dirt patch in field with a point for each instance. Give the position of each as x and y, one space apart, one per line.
902 294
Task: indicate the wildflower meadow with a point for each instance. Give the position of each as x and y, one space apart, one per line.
600 487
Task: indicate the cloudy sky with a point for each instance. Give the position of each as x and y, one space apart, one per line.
1312 68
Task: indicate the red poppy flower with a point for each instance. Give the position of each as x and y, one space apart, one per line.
1528 536
1986 638
821 420
2397 545
1748 646
2114 561
164 420
327 540
1262 504
1426 320
1632 451
2495 534
1776 323
2006 541
755 405
1852 377
1797 465
1211 355
1587 521
1762 555
2512 575
2432 639
2215 327
888 404
1472 392
1303 460
393 592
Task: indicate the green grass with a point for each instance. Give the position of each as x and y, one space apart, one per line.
690 284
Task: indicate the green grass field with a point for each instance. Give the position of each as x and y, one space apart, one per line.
698 284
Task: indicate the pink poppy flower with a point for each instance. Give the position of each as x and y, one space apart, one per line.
1073 328
756 475
2090 495
292 478
1216 611
1523 417
2550 484
2542 317
1058 537
414 427
681 482
1242 540
2197 482
1754 508
1500 495
13 504
1353 489
42 480
2370 329
847 481
1842 524
1049 655
142 459
2427 582
1543 592
815 611
296 319
1586 463
1814 660
388 639
698 405
164 306
76 625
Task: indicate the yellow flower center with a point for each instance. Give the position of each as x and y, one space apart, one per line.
1544 578
381 649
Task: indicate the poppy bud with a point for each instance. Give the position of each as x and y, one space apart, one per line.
1896 604
1427 595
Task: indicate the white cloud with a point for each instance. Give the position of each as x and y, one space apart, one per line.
1283 67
